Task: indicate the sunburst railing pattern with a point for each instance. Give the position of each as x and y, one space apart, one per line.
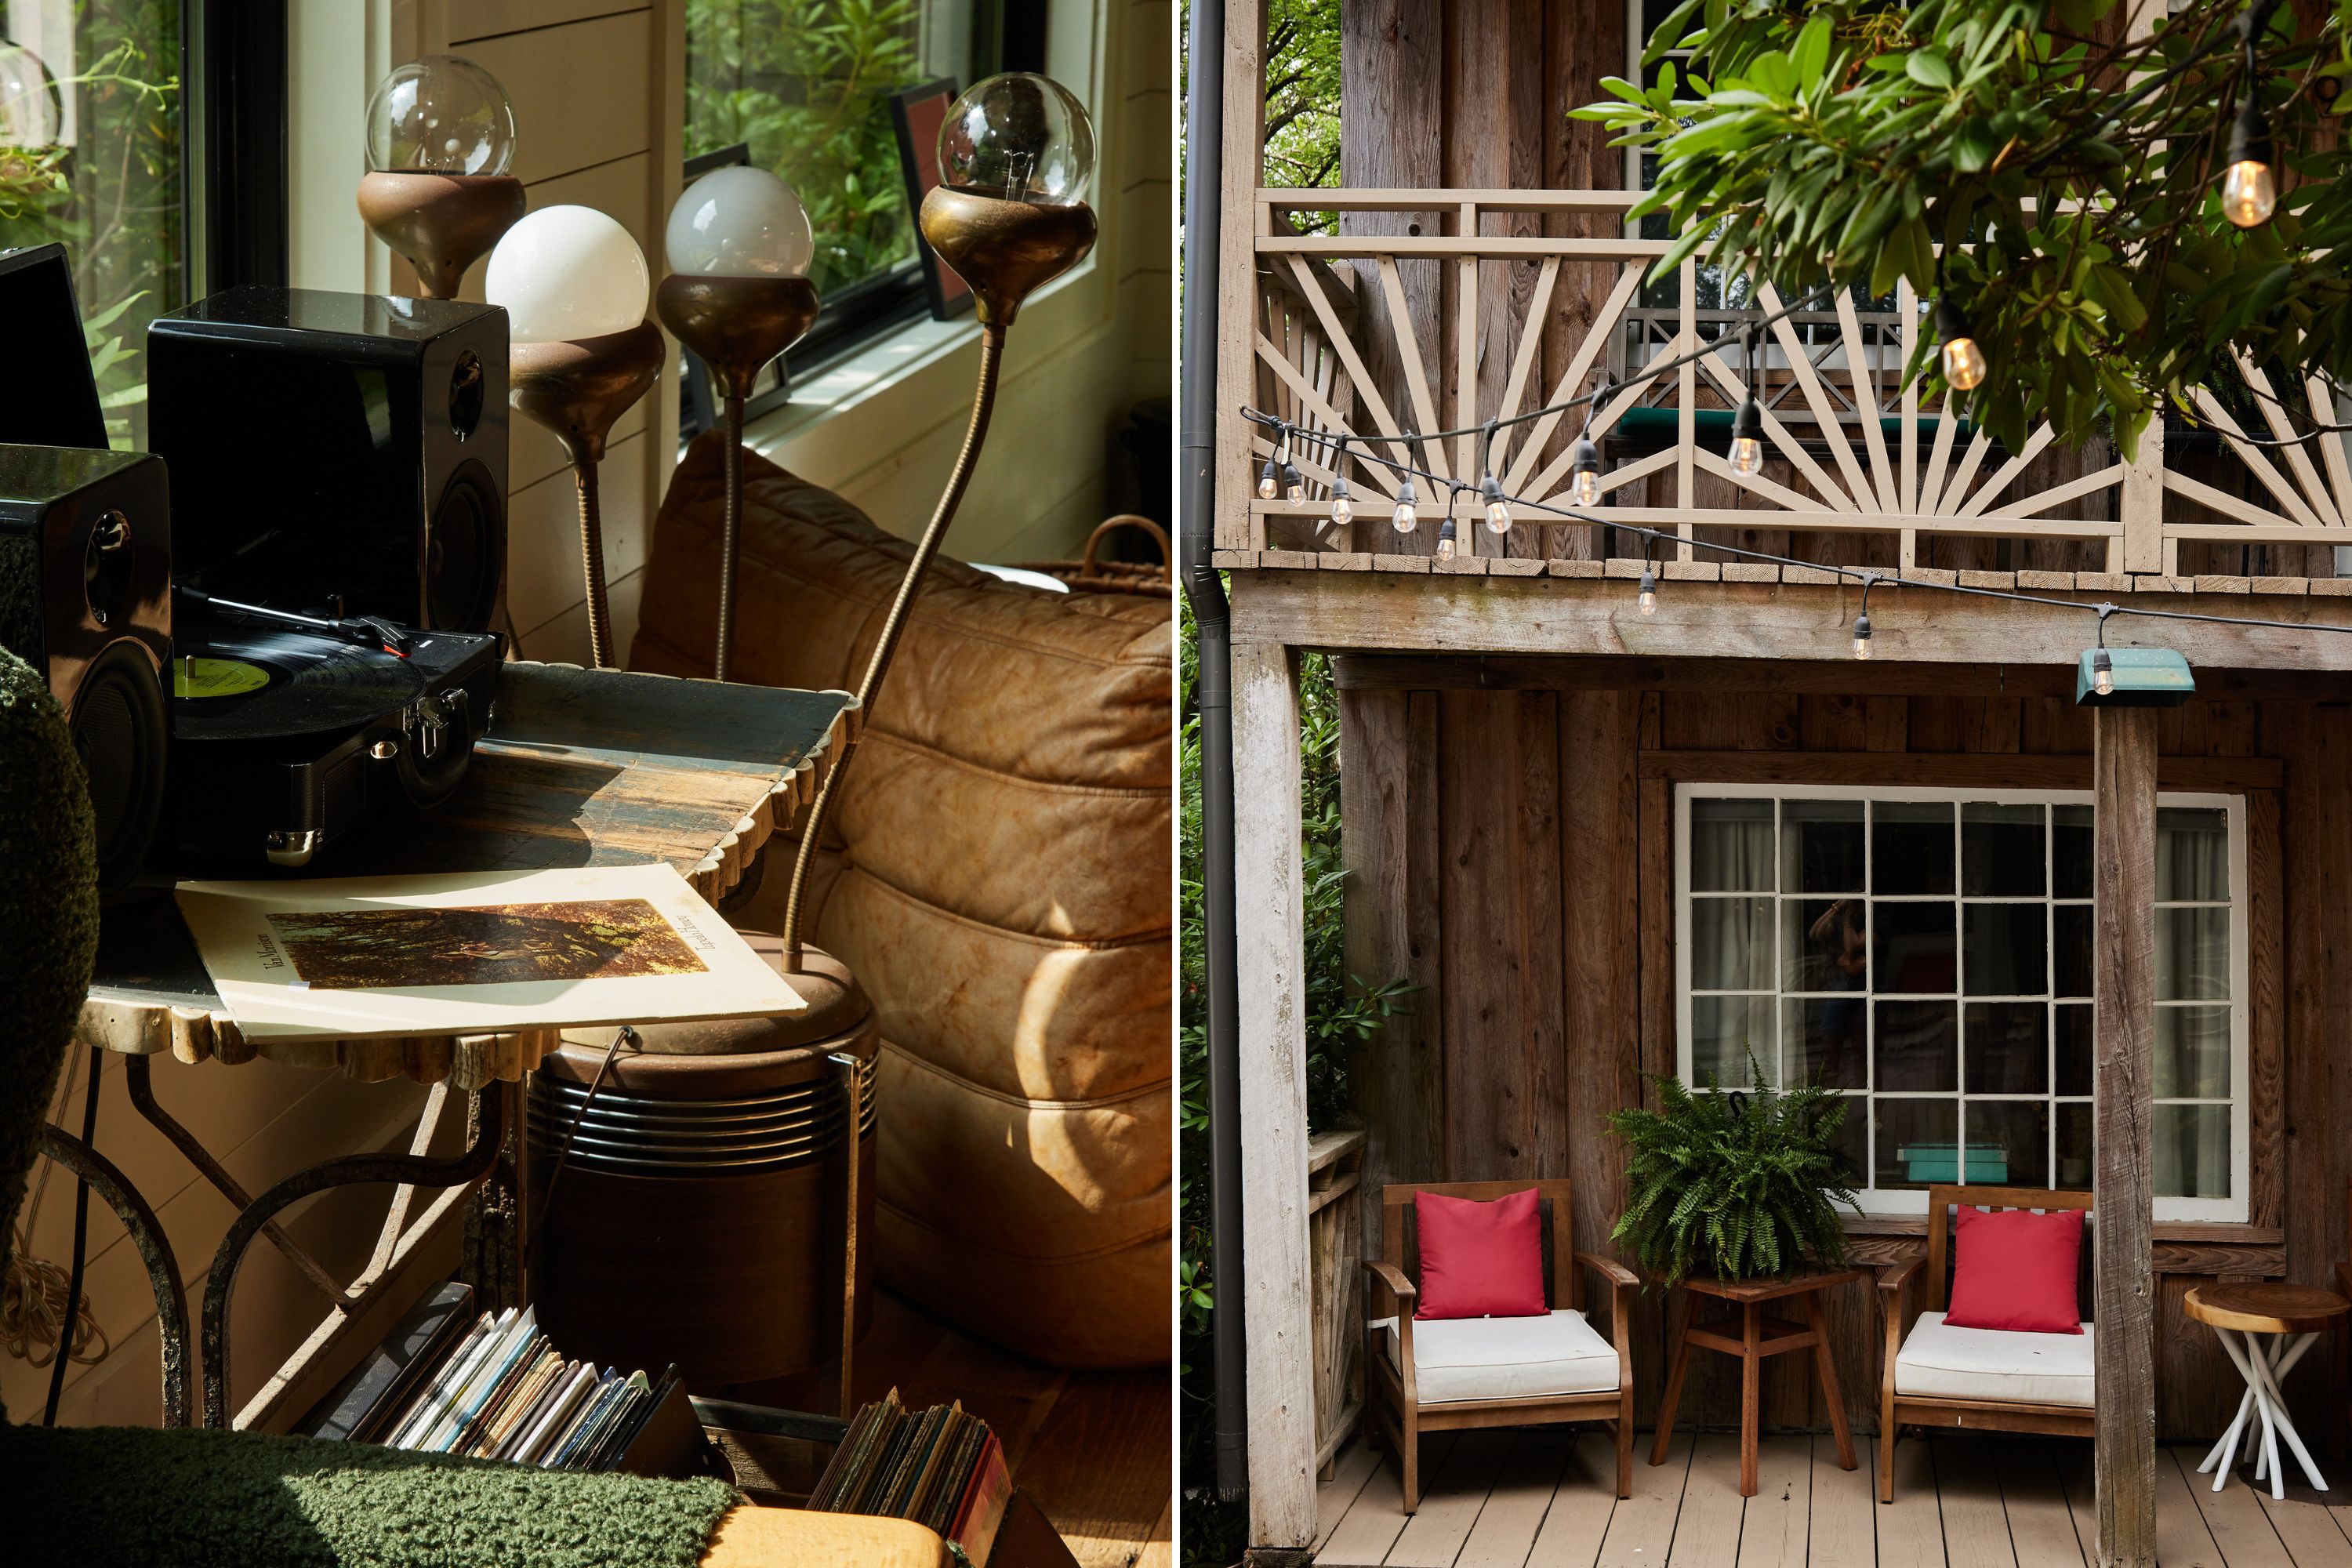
1470 305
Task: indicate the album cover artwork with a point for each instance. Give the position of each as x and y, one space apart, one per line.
365 957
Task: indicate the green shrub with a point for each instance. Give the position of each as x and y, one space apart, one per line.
1739 1184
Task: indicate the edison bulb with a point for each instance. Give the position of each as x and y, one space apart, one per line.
567 272
29 115
1964 364
1648 597
1498 517
1269 481
1586 490
1747 455
2103 674
1020 137
444 115
1407 517
1445 547
1584 473
2249 193
1343 510
740 222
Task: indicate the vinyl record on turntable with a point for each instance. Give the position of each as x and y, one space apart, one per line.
282 683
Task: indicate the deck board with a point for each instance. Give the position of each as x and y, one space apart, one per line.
1544 1498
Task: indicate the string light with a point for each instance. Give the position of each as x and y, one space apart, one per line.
1646 596
1446 546
1407 518
1269 481
1343 510
1294 483
1498 512
2102 668
1747 425
2249 188
1584 458
1862 621
1964 361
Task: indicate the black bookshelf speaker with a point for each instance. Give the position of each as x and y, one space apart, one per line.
336 453
86 598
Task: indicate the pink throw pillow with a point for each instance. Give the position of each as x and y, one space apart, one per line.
1479 1259
2016 1269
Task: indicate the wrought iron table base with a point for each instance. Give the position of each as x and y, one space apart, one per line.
2265 1368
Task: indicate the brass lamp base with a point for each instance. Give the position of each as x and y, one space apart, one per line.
577 389
1005 249
442 223
737 325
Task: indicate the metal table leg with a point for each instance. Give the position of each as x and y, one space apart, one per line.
147 1235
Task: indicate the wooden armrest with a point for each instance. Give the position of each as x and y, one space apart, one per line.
1402 1294
1609 1268
1897 1277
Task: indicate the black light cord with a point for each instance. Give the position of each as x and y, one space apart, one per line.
80 1240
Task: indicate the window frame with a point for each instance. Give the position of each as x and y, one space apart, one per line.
2234 1209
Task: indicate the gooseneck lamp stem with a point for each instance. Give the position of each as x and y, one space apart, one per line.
983 402
730 534
592 562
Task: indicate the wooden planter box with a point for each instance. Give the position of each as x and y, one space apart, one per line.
1335 1242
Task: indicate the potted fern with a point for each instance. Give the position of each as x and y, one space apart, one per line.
1739 1184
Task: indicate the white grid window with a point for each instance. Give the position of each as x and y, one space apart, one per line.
1927 953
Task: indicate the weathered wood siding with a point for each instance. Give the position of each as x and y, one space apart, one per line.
1508 824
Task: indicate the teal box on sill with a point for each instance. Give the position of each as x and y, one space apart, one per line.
1927 1163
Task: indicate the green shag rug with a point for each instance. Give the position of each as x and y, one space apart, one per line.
102 1496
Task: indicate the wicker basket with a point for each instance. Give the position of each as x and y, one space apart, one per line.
1088 575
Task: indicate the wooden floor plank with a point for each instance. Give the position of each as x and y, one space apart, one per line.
1377 1517
1451 1500
1911 1528
1641 1527
2242 1530
2082 1500
1515 1508
1967 1491
2310 1528
1842 1527
1159 1549
2182 1538
2032 1490
1579 1519
1707 1534
1775 1527
1098 1467
1353 1468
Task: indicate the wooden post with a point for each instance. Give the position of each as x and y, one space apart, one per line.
2124 785
1270 911
1244 148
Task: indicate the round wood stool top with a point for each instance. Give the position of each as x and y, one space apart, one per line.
2267 1309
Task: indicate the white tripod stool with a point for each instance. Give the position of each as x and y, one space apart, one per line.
2290 1319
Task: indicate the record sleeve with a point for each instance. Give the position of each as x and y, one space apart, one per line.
476 952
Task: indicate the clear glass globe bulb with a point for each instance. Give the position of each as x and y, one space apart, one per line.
1964 364
2249 193
740 222
1020 137
29 100
444 115
567 272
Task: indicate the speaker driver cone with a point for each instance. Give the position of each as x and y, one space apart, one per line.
120 729
464 551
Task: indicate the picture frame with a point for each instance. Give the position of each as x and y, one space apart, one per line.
917 112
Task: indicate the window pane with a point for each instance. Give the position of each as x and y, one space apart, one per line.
808 86
2192 1053
1723 1029
2192 1150
2069 949
1917 1142
2007 1142
2073 1047
2008 950
1820 846
1919 1045
2008 1047
2193 854
2192 954
1850 1144
90 155
2075 1143
1731 944
1731 845
1825 944
1917 948
1825 1037
2070 851
2000 850
1910 847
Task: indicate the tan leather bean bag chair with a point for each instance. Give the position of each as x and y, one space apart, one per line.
997 877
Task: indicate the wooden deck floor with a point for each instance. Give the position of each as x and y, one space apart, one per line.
1541 1499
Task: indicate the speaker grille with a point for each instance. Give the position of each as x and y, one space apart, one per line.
118 727
464 551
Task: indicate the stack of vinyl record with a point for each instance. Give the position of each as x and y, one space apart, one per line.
942 1467
449 1381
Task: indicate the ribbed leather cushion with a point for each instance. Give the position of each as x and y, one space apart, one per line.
997 877
1506 1358
1938 1360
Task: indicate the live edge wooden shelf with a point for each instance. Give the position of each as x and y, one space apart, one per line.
581 767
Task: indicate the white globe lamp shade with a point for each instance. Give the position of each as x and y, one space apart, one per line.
565 273
740 222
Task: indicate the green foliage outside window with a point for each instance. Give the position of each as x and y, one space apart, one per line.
113 196
807 83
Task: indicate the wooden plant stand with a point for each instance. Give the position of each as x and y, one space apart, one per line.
1754 1338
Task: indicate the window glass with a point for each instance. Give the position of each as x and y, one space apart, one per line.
90 155
1932 960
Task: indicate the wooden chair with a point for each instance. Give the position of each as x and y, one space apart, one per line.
1445 1375
1973 1377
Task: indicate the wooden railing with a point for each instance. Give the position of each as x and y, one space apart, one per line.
1461 309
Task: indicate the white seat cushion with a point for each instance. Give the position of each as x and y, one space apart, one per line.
1506 1358
1940 1362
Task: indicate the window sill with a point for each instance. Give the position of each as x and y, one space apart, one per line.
2200 1231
